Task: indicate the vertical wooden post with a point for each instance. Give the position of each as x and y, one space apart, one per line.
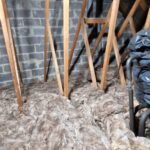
10 51
46 38
66 45
112 24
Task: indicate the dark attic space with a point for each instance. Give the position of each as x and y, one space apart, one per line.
74 75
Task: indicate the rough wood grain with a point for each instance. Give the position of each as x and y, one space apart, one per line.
88 53
112 24
126 21
84 4
10 51
66 45
147 23
46 38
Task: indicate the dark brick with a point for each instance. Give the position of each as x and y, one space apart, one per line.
29 40
37 72
38 31
23 57
39 48
16 22
28 66
1 69
25 49
5 77
37 56
31 22
22 13
24 32
4 60
26 74
38 13
6 68
3 51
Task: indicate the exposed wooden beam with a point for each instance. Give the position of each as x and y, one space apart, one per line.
112 24
84 4
10 51
147 23
94 21
66 45
127 20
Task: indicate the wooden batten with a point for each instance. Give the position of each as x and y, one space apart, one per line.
94 21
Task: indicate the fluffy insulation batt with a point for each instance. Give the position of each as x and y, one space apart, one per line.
91 120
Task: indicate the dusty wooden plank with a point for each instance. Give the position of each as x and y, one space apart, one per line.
112 24
88 53
10 51
84 4
47 3
66 45
103 30
126 21
118 59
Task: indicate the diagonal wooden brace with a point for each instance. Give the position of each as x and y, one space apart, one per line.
10 51
48 36
109 45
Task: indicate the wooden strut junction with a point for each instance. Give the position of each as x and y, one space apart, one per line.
109 21
129 18
10 51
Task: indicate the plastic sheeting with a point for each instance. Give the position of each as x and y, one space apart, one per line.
140 48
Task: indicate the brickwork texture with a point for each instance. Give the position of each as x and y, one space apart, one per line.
27 24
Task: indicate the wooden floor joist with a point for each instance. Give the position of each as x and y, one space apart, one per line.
48 37
4 19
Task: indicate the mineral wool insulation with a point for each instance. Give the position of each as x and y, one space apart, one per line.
91 120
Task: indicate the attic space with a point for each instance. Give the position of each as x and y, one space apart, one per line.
74 75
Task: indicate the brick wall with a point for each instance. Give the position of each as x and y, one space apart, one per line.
27 24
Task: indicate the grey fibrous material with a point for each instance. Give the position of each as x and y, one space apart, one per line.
140 48
92 120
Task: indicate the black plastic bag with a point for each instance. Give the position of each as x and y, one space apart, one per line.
140 47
